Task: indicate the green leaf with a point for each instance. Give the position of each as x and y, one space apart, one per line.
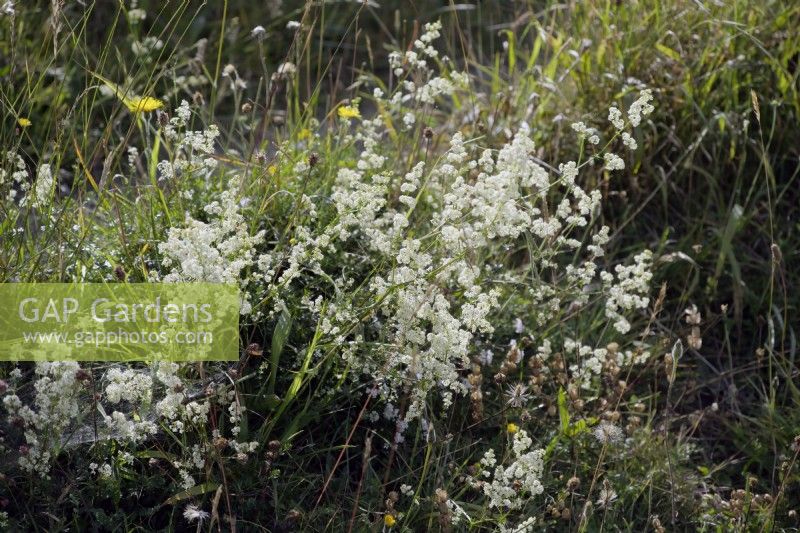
577 428
191 493
279 336
153 166
155 454
563 412
669 52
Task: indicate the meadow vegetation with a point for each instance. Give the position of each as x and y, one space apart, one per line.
505 266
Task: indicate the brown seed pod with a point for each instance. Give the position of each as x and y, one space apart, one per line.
254 350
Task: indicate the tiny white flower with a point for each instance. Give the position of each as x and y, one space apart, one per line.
258 32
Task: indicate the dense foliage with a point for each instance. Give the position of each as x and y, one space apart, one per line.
505 266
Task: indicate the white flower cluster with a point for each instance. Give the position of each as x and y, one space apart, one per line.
426 87
124 429
146 47
193 150
434 287
54 408
217 251
509 487
127 385
14 172
585 132
414 59
43 188
629 290
641 107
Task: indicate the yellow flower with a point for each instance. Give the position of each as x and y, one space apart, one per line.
272 169
389 520
24 122
349 111
512 428
305 133
135 104
142 103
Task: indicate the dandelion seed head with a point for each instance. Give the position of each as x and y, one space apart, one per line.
258 32
192 514
517 395
608 433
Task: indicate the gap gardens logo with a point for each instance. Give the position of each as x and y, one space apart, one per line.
119 322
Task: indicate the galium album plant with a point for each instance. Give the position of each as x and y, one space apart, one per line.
406 260
413 266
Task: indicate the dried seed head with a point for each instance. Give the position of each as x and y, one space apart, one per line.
391 499
119 273
517 395
247 107
573 484
777 256
254 350
695 339
572 391
656 523
163 118
607 433
427 132
313 159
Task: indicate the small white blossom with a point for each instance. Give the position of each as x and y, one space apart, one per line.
613 161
